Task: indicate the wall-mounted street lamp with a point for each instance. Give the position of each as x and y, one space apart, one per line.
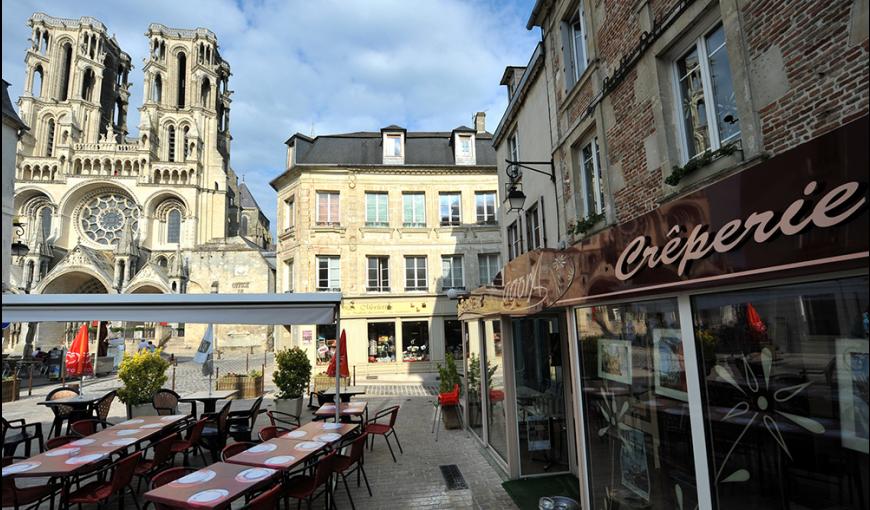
19 247
516 198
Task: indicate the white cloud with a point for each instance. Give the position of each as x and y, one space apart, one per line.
336 66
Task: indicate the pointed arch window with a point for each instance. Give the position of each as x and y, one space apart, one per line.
36 85
66 68
157 89
45 218
88 85
173 226
182 79
243 229
185 148
205 93
49 139
171 143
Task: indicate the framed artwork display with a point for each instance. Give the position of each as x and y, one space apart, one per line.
614 360
669 364
852 379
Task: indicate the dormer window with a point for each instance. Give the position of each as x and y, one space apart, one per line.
465 149
394 145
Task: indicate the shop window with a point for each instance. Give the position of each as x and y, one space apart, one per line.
450 209
377 207
382 342
414 209
784 385
325 343
415 341
453 338
492 373
485 204
706 103
639 441
378 274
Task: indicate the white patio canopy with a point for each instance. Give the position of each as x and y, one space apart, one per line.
283 309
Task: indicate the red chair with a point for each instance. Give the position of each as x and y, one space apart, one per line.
267 500
17 497
446 400
271 432
169 475
191 444
98 492
59 441
161 456
87 427
234 449
385 429
346 464
305 486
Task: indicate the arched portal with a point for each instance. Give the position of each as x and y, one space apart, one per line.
50 334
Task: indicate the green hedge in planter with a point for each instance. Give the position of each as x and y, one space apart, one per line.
143 374
293 373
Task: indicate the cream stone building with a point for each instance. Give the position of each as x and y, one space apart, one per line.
394 220
110 212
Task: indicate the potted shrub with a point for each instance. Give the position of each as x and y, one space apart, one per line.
449 379
291 377
11 388
142 374
248 385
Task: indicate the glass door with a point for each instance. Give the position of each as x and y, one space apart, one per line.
539 368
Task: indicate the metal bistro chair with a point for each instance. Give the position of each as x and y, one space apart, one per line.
385 429
305 486
346 464
61 413
191 444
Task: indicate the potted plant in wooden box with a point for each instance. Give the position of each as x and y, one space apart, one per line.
11 388
291 377
248 385
143 374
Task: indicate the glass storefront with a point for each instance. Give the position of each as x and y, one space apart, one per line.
633 378
474 411
493 373
382 342
325 343
415 341
540 395
785 388
453 338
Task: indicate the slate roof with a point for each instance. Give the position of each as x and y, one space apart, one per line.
9 110
365 148
246 199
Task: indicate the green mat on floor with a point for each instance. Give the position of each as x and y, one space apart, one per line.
527 492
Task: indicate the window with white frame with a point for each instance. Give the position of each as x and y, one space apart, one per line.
574 46
465 149
534 232
288 276
450 208
289 213
484 202
414 209
377 207
451 272
393 148
415 273
378 274
514 147
515 240
328 273
707 107
489 265
591 188
328 208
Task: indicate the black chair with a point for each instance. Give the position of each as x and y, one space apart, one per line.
214 434
61 413
241 423
286 420
16 432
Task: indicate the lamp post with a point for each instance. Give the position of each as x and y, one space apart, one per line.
516 198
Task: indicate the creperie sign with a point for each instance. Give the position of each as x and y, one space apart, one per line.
832 208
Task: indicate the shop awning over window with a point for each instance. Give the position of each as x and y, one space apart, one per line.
283 309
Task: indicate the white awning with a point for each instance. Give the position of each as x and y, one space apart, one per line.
282 309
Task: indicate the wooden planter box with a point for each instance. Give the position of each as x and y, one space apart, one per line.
325 382
11 388
247 386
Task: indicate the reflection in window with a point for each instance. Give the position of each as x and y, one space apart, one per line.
636 405
382 342
785 387
493 374
415 341
453 338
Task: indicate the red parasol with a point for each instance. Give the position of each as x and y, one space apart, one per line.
754 320
342 345
78 360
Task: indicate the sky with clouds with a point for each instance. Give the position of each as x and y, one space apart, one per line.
319 67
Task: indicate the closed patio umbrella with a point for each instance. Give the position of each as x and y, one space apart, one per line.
78 359
341 359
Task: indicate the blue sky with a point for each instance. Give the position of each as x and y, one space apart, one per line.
320 67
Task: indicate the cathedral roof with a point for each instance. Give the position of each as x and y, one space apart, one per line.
9 112
246 199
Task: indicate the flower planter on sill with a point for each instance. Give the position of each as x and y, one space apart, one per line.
247 386
11 389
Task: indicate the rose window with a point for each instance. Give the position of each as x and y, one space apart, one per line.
104 217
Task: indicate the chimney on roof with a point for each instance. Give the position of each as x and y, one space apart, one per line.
480 122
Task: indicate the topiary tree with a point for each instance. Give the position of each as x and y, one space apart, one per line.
143 374
293 373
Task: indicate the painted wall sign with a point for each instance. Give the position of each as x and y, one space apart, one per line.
801 212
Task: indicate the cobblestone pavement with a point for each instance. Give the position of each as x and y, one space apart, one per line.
414 481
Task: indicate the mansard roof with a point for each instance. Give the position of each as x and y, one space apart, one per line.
9 113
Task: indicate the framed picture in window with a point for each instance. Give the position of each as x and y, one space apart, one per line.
669 364
633 461
852 378
614 360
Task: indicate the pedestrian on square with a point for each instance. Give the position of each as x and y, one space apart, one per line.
143 345
150 346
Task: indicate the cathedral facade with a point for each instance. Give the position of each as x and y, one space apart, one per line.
104 211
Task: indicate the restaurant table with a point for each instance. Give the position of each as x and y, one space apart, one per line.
79 401
283 454
346 393
208 398
214 486
348 410
323 431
